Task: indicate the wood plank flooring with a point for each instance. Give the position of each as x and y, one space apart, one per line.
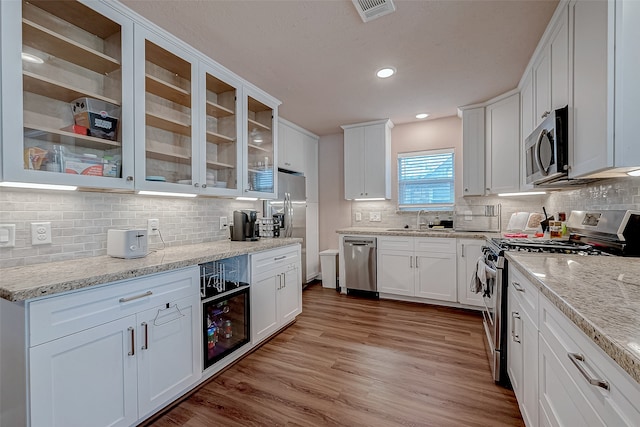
356 362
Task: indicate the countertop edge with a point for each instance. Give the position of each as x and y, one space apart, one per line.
57 287
380 231
623 358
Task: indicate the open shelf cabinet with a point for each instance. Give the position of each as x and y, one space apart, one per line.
67 85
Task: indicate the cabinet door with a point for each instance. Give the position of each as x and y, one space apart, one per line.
503 145
396 272
375 154
592 146
290 148
526 124
311 168
473 152
312 242
166 124
87 376
220 152
529 386
289 295
168 351
264 313
514 344
542 86
559 52
436 276
354 163
68 108
469 250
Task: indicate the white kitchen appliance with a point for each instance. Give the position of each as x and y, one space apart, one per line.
127 243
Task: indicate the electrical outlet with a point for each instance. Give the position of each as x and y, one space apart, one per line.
358 216
7 235
223 223
374 217
153 227
40 233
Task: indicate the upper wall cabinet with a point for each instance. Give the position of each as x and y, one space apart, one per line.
67 94
473 147
290 147
605 94
367 160
527 124
261 113
503 145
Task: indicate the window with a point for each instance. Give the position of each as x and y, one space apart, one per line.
426 180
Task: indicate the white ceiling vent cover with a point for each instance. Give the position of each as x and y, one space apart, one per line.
372 9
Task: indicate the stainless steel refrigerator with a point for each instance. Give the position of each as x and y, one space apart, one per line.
292 202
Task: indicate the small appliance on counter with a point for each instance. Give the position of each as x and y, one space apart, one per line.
245 226
127 243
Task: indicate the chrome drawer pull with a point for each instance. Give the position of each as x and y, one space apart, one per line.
576 358
515 337
518 287
279 258
146 294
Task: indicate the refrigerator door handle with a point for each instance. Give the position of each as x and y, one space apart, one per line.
290 213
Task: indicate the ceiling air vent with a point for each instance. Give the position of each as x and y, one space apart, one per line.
372 9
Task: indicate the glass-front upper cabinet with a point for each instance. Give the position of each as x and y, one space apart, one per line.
67 94
261 119
221 152
165 82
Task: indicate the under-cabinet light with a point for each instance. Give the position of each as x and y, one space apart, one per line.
634 173
165 193
373 199
247 199
526 193
27 57
39 186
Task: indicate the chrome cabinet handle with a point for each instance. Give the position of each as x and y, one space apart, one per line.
129 178
416 261
146 294
146 336
279 281
462 251
518 286
133 341
279 258
576 358
410 262
515 337
204 185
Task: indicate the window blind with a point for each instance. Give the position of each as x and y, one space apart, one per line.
426 180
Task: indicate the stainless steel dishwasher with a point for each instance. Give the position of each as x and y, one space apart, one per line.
360 264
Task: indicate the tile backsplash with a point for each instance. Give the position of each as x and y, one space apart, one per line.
80 220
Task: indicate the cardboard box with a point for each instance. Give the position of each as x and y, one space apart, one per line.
82 166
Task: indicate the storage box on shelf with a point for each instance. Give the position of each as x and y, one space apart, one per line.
73 51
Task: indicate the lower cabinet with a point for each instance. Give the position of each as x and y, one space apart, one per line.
276 292
119 371
468 251
422 267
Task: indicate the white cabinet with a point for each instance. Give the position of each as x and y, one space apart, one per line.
559 55
604 96
311 167
367 160
473 151
468 252
417 267
503 145
291 154
80 51
527 124
312 242
522 344
542 86
276 291
114 354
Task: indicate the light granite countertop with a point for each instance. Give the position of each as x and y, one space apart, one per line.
388 231
600 294
27 282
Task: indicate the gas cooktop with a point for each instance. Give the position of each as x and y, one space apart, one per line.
545 246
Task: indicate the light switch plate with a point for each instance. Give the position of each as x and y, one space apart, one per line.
7 235
358 216
40 233
375 217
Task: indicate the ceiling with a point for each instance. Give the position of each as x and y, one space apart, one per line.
320 59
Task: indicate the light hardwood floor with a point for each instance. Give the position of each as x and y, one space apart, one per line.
356 362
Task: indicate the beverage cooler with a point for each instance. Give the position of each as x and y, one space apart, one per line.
225 308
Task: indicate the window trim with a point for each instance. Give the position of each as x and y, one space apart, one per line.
427 206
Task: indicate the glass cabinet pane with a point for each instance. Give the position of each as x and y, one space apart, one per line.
167 116
260 147
72 89
221 139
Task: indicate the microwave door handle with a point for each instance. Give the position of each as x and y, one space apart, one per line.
536 153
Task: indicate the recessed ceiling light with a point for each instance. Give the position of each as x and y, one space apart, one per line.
422 116
27 57
634 173
385 72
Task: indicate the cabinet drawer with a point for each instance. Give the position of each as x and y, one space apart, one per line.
526 293
443 245
58 316
274 258
395 243
617 406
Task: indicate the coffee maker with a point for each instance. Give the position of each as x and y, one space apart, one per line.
245 226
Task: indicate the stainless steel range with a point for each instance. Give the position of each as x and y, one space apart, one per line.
608 233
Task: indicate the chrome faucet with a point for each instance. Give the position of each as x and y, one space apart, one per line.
418 223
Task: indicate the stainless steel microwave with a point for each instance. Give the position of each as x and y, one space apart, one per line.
547 150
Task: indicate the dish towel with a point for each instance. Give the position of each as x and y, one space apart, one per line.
476 285
482 278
